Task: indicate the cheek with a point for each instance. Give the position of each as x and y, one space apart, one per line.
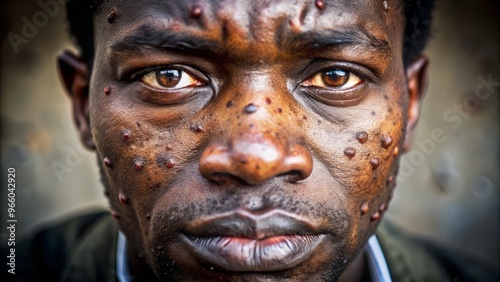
363 159
136 156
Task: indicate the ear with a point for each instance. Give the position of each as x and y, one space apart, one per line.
416 79
74 75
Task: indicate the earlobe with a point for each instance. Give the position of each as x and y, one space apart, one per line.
74 75
416 79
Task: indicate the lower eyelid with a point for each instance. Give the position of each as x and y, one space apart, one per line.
336 97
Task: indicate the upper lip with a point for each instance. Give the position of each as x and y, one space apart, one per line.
245 224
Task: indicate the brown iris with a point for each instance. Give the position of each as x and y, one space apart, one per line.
335 78
168 78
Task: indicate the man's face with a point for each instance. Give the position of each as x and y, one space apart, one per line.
248 139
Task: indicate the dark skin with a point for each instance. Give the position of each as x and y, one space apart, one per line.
242 141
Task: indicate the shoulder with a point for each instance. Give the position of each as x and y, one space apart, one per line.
415 259
48 252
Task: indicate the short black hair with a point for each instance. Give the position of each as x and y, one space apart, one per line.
417 13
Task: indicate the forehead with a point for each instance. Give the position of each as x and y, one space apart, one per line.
250 26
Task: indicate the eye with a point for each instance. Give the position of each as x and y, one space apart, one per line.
336 78
170 79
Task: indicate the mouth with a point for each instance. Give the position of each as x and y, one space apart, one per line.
243 241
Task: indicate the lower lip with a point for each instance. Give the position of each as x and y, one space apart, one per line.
243 254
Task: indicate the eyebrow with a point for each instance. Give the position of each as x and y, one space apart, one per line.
150 37
147 36
311 41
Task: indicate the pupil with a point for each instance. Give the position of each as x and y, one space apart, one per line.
168 78
335 77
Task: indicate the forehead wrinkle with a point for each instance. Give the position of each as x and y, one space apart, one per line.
247 29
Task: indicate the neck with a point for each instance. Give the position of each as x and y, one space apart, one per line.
138 267
357 271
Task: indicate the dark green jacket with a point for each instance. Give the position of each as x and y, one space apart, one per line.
84 249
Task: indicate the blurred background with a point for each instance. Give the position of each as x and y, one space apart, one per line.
448 189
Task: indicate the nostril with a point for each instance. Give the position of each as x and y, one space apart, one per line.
293 176
225 179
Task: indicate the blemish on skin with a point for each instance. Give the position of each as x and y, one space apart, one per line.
396 151
390 179
111 16
138 124
280 110
350 152
386 6
115 214
382 208
168 147
126 134
250 108
229 104
107 162
196 12
197 128
362 137
123 199
375 216
374 163
386 141
170 163
268 101
107 90
319 4
139 163
374 113
364 208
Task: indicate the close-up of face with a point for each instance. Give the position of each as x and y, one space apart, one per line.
247 140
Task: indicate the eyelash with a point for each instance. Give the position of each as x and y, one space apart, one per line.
328 95
333 96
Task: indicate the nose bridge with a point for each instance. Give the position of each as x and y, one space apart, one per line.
257 120
256 145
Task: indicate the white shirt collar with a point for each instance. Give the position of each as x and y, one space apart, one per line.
379 272
122 270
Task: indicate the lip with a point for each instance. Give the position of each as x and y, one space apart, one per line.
243 241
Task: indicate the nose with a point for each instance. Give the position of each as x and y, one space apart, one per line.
255 157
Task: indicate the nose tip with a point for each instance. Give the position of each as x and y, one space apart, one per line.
255 162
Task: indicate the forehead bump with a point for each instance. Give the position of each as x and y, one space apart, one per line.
319 4
196 12
107 90
386 6
111 16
